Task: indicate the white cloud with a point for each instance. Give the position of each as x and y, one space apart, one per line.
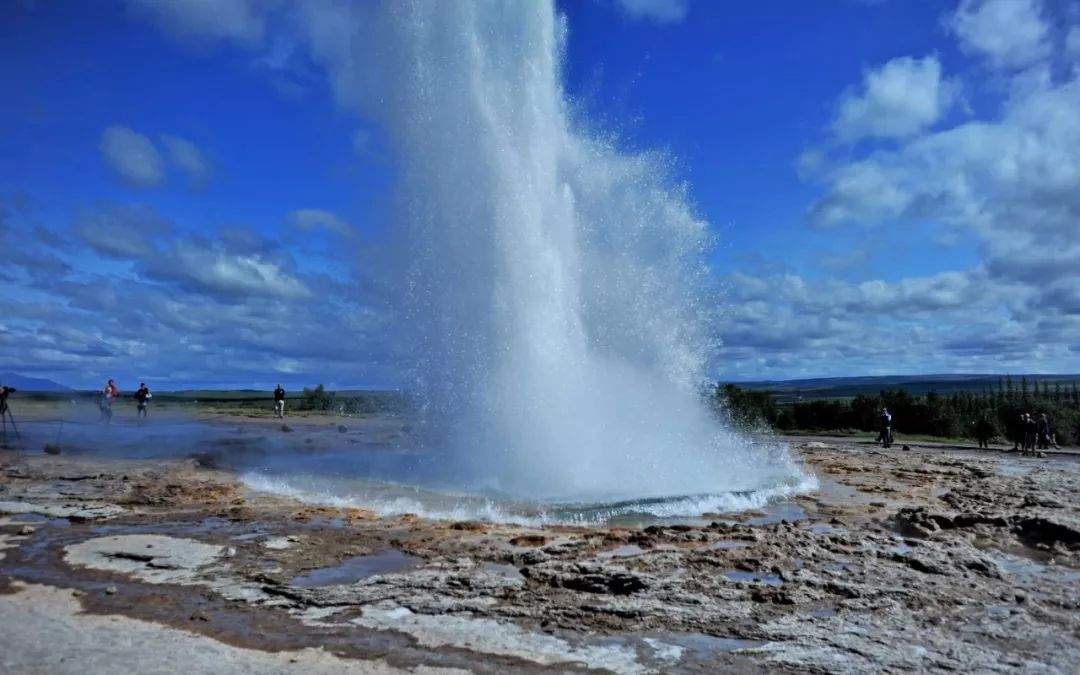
1009 183
310 219
124 232
955 321
205 19
215 269
660 11
187 156
1072 43
1010 33
901 98
1019 173
132 156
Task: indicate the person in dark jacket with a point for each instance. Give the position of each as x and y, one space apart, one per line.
885 421
1043 432
142 397
983 430
1030 432
279 402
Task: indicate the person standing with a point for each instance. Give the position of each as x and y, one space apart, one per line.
984 430
886 428
109 394
1043 432
1030 429
142 397
279 402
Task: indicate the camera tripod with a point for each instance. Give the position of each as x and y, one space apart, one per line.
5 417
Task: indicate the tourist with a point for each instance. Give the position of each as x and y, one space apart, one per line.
1016 432
886 428
1043 431
279 401
1030 432
983 430
142 397
109 394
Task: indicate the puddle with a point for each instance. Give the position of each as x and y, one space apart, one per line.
358 567
725 546
668 651
699 644
900 547
823 613
823 528
27 518
778 512
1013 468
502 569
249 536
750 577
1028 567
626 551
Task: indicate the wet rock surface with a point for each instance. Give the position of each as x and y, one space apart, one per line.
904 560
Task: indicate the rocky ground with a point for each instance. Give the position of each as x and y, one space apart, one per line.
925 559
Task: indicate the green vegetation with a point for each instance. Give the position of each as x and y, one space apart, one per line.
352 403
995 410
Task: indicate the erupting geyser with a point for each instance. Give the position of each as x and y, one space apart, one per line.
554 291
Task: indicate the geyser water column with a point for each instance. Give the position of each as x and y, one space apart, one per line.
554 291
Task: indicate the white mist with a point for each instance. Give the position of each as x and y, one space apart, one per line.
554 291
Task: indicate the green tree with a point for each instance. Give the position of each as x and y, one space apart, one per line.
317 399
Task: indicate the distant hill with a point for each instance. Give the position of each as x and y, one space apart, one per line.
24 383
848 387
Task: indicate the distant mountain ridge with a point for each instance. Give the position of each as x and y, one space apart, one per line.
844 387
25 383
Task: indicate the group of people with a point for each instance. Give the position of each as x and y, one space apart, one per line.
1036 434
111 392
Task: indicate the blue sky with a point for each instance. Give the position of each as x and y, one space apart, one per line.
895 185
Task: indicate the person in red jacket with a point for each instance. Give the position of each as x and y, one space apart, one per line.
109 394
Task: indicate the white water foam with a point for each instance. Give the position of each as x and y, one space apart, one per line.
396 500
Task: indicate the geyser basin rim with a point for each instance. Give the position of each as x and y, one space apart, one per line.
396 499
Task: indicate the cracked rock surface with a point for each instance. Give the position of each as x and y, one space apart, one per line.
926 559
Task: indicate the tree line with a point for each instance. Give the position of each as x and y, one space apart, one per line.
954 416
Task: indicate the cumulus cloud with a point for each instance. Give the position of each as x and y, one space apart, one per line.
784 325
187 156
123 292
901 98
233 266
241 20
1072 43
1008 181
1009 33
123 231
207 266
660 11
313 219
132 157
1018 174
